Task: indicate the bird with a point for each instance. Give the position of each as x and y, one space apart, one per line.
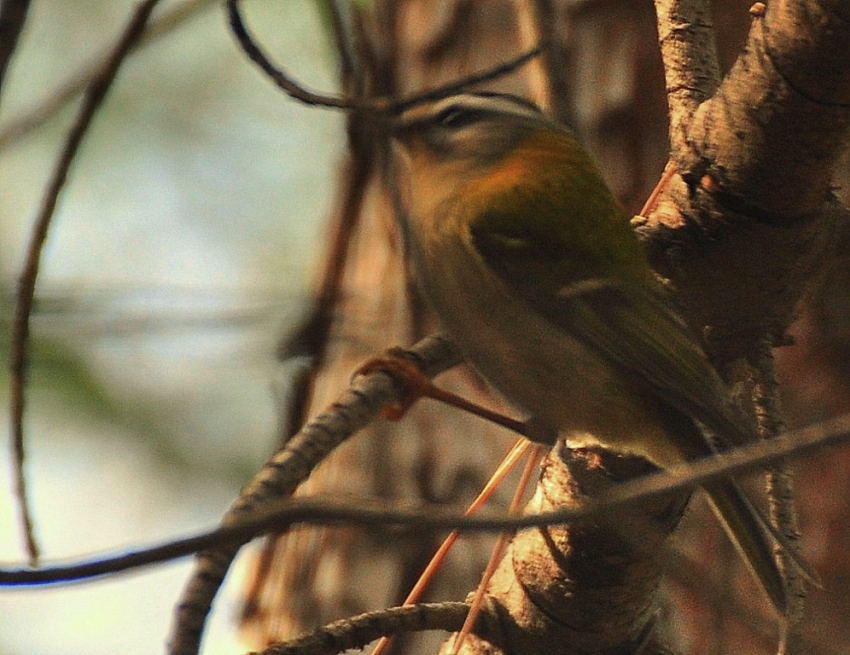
533 269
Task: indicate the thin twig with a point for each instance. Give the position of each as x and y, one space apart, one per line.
94 96
298 92
282 513
660 187
477 602
66 91
279 76
469 81
287 469
13 16
427 576
780 493
351 68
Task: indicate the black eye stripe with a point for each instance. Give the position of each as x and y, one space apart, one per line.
458 116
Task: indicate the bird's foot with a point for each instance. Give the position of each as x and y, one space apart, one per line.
402 367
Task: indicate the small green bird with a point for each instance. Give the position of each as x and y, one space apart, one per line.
533 269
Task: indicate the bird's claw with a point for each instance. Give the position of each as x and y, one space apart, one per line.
402 368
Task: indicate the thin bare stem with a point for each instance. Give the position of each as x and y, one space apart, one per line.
351 68
469 81
498 552
284 512
660 187
298 92
780 491
279 76
94 96
507 464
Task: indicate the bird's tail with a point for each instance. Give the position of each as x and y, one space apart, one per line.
751 533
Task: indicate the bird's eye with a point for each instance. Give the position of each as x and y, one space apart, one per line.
456 116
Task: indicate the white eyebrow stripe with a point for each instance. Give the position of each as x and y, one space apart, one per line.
497 103
494 104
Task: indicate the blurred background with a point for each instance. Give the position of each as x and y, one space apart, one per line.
186 243
180 250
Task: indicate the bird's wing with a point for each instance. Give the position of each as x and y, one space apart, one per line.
631 324
638 331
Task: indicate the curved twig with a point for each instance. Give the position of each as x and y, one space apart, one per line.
94 96
279 76
298 92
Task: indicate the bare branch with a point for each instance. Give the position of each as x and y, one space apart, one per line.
281 513
287 469
95 94
469 81
280 77
770 137
351 68
298 92
686 39
358 631
780 493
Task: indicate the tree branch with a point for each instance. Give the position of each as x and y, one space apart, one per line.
780 494
753 198
772 134
691 69
286 470
280 513
298 92
358 631
95 94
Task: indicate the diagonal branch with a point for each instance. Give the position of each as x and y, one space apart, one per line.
358 631
282 512
286 470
